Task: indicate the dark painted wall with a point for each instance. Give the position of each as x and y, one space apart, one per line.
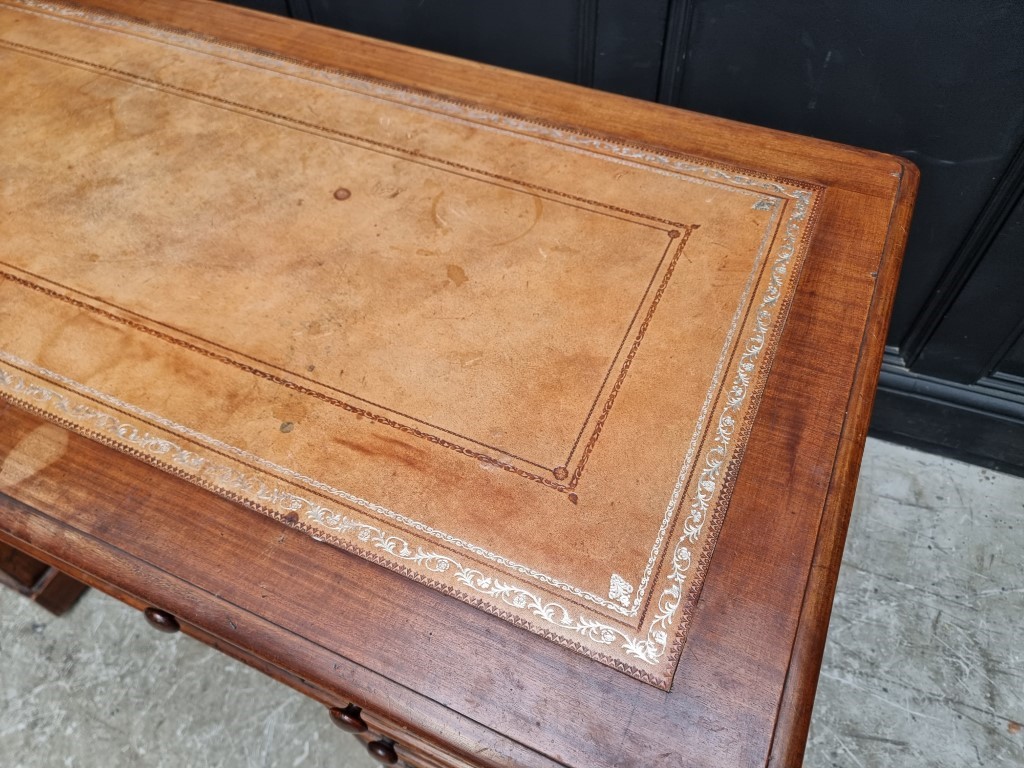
940 82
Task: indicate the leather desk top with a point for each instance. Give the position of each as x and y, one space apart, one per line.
516 358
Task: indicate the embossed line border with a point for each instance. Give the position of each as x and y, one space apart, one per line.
575 140
681 233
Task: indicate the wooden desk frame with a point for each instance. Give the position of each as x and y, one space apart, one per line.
451 685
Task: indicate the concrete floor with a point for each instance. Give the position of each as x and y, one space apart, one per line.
924 664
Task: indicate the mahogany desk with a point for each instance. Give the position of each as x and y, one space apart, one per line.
429 680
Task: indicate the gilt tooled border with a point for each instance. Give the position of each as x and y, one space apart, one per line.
226 359
717 516
660 681
180 434
685 490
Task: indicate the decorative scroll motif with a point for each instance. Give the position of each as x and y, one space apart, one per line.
620 589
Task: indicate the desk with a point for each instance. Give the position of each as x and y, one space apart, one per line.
429 675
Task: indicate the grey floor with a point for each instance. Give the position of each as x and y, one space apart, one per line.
924 664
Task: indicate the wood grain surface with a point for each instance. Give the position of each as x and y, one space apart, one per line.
346 631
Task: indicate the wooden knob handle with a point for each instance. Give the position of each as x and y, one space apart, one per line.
162 620
348 719
383 751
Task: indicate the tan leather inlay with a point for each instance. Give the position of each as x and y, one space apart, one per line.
508 360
